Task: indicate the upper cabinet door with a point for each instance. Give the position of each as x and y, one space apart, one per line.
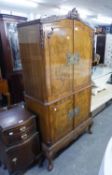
58 48
83 46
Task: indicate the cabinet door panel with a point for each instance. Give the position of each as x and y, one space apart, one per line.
82 104
58 44
60 119
83 53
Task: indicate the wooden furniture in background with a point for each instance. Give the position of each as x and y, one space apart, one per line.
108 51
100 46
4 90
19 139
56 57
10 62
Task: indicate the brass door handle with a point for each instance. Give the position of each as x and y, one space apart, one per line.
23 128
14 160
73 58
11 133
24 136
72 113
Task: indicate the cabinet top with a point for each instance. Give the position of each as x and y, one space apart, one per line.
6 16
14 117
72 15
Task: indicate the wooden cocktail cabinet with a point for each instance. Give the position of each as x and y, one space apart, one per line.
56 56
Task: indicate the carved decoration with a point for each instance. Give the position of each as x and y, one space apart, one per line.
73 14
50 32
41 37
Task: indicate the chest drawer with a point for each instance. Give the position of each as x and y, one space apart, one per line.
22 155
19 133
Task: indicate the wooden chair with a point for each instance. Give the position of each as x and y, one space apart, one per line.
4 90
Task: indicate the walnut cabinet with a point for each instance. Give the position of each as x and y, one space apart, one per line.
56 57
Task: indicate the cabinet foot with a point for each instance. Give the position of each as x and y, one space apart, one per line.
41 161
48 153
50 166
89 130
50 163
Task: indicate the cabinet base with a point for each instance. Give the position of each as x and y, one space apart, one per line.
50 151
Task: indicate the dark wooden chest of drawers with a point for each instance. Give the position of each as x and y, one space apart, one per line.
19 139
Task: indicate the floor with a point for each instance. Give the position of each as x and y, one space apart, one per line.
100 76
101 98
85 155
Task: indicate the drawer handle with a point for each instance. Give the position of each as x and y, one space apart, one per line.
20 121
24 137
73 58
11 133
74 112
14 160
23 128
55 109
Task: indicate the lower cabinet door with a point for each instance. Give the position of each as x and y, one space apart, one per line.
61 120
19 157
82 106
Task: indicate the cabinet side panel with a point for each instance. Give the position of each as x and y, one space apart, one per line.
42 113
32 61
